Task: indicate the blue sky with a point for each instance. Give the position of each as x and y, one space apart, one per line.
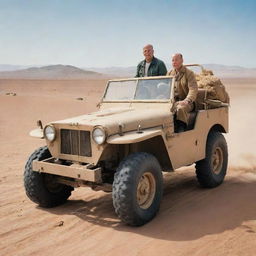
101 33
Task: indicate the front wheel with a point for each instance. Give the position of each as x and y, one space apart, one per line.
211 171
137 189
42 188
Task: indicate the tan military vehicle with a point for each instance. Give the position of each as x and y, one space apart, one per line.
125 146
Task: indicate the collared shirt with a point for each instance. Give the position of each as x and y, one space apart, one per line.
156 68
146 68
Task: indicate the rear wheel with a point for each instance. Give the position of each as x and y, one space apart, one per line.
211 171
137 189
42 188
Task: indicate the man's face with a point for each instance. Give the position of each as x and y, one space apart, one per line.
177 61
148 53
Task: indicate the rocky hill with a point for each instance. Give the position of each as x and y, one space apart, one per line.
50 72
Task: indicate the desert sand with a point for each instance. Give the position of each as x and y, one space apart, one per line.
191 221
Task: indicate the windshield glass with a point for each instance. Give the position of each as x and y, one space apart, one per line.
121 90
148 89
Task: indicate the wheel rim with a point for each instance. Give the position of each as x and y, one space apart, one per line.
146 190
217 160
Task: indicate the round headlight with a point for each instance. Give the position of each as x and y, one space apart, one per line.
49 132
99 135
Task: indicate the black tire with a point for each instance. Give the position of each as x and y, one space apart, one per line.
133 204
211 171
41 188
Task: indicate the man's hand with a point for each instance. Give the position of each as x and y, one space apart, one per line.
184 102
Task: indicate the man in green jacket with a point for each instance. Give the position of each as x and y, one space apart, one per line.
150 66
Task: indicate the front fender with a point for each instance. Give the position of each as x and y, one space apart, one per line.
135 136
37 133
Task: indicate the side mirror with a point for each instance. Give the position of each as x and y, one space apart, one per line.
39 124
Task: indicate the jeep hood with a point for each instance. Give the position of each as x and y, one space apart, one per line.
128 118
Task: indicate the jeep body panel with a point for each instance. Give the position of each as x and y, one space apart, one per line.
190 146
135 136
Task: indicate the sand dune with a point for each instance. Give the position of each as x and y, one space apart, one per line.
191 221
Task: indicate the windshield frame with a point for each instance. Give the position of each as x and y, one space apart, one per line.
139 100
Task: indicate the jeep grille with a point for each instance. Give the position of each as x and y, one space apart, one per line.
75 142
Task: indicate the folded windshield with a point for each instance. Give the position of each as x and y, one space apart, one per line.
148 89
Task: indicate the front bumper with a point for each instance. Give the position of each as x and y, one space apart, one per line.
86 172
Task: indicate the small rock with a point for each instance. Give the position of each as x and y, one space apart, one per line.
11 93
59 224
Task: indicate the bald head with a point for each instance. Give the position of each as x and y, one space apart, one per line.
177 60
148 52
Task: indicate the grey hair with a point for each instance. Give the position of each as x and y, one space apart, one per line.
178 54
148 45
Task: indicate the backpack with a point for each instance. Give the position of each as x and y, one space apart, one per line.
215 90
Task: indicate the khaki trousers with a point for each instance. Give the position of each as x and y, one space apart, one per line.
182 112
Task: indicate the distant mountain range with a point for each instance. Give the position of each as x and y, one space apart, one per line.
231 71
6 67
116 71
72 72
218 70
50 72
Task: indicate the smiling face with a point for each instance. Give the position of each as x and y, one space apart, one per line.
148 52
177 61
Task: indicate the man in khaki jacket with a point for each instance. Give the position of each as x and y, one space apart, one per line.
185 91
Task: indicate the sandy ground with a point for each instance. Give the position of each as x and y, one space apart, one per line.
191 221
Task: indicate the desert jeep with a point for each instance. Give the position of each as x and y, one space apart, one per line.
125 146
